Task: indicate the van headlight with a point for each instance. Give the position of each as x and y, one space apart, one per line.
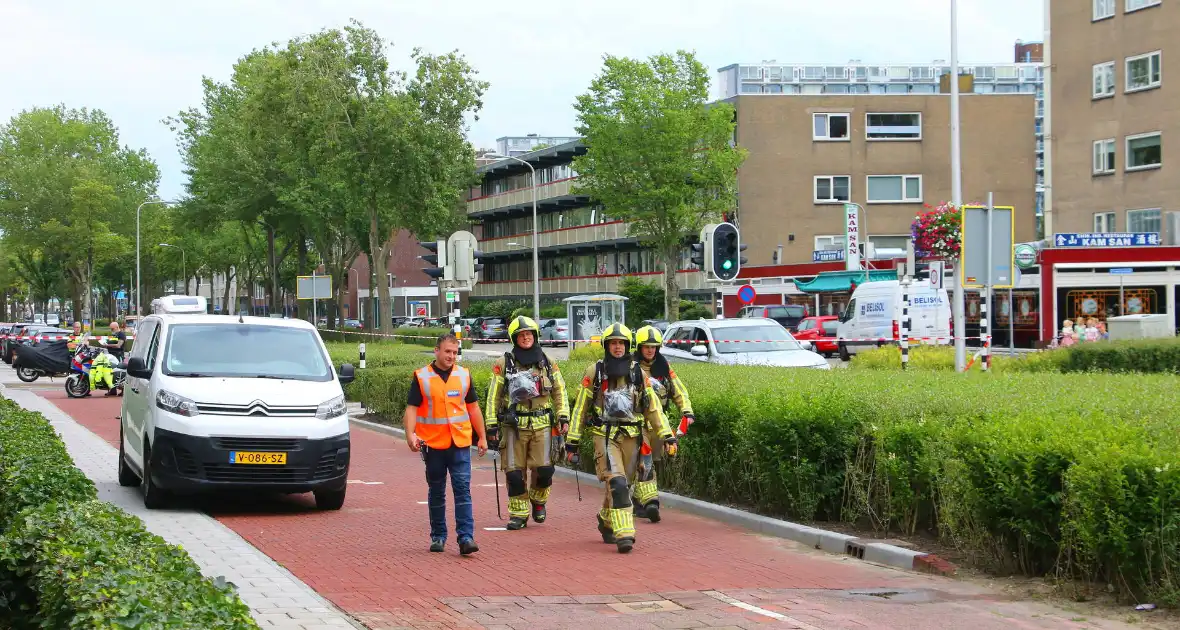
178 405
331 409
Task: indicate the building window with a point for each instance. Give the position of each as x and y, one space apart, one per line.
1104 79
1103 156
1148 220
894 188
1103 9
830 126
1104 222
1135 5
1143 72
893 126
833 188
1144 151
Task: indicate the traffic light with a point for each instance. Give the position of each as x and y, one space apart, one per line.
436 257
727 247
702 251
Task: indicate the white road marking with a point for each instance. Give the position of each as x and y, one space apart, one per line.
800 625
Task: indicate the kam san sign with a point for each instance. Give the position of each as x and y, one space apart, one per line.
1107 239
851 237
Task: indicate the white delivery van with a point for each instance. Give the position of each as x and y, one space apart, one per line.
874 314
216 402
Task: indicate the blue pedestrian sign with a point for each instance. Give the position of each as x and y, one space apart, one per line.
1107 239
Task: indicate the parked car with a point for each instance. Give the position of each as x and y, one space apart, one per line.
746 341
555 332
659 324
788 315
489 328
467 323
821 332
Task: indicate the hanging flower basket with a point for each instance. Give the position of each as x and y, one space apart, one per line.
936 232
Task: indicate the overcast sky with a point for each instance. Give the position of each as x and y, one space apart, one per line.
141 61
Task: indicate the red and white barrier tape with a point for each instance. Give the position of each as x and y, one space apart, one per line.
55 337
666 341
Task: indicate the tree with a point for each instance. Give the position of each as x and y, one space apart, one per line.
658 155
68 190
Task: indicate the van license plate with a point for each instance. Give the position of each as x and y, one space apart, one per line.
254 457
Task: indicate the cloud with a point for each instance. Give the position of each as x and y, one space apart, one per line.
141 61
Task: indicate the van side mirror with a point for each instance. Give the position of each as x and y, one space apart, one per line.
346 374
136 367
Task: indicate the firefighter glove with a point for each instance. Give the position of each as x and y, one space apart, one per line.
685 421
493 436
670 443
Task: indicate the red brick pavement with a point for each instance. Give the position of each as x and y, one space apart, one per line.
370 559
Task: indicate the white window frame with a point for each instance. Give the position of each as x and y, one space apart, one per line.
1108 220
1127 152
1146 4
1157 210
904 199
1108 81
828 127
1109 5
1098 168
831 186
1127 89
870 138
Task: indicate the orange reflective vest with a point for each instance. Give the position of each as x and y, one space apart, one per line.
442 416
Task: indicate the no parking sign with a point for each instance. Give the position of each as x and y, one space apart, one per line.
746 294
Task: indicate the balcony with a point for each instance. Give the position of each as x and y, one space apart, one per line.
554 239
689 280
558 190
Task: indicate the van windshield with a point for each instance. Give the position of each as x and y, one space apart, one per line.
246 351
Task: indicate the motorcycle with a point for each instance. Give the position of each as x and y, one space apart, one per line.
48 358
78 382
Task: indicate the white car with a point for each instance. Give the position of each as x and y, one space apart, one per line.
747 341
215 402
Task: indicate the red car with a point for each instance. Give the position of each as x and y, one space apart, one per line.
821 332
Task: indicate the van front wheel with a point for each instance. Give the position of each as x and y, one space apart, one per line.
844 356
329 499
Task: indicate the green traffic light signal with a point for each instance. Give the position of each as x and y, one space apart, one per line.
727 265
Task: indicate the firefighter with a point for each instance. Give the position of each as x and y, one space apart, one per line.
668 389
527 399
614 401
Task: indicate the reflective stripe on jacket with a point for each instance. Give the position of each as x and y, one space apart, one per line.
442 417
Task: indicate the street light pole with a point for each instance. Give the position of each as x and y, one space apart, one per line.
138 277
536 232
183 266
960 331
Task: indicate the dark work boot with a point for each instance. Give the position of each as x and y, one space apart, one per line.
467 547
652 511
539 512
625 544
518 522
436 544
637 509
608 536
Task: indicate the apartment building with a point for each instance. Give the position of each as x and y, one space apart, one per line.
1024 76
1112 114
810 154
581 249
519 145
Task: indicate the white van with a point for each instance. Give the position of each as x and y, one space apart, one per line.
874 313
220 402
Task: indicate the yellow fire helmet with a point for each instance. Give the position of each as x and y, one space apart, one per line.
649 336
522 323
617 331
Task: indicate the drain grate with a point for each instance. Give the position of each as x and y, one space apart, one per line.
640 608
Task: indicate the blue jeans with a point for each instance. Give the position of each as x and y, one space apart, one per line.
455 460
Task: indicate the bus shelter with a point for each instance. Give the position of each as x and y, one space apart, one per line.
589 315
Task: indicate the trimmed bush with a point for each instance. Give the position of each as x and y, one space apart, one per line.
407 335
68 560
1066 474
1128 356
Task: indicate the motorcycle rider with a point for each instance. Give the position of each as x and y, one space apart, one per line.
72 342
526 396
668 389
101 370
612 394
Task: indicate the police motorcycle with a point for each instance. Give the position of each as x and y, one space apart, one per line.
85 359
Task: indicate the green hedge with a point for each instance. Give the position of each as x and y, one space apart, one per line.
409 335
1129 356
1065 474
68 560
